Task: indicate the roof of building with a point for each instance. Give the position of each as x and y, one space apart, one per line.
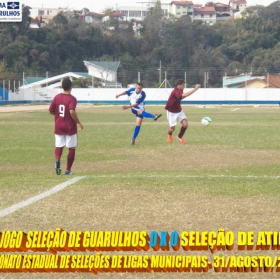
182 3
272 81
238 1
257 79
40 81
204 10
90 14
133 8
83 75
221 5
109 65
93 14
116 14
30 80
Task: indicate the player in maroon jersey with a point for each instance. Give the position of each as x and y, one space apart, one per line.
66 120
175 112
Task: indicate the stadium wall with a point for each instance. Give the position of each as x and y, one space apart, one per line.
154 96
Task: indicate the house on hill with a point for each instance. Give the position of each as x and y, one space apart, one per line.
90 17
205 14
237 6
222 11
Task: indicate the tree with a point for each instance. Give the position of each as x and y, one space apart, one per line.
85 10
60 20
107 11
81 83
5 74
209 4
153 28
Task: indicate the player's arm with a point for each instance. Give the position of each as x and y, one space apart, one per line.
138 101
74 116
129 106
52 108
186 94
120 94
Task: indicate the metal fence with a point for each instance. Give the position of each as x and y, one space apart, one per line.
7 86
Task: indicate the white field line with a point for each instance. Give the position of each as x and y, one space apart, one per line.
66 184
189 176
35 198
235 109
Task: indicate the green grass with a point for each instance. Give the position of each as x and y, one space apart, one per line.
26 145
227 176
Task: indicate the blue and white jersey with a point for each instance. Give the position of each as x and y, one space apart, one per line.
136 98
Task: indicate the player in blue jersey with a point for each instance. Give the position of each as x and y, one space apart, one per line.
137 97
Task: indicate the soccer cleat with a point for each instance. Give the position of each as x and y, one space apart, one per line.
157 116
57 167
170 138
181 140
132 141
68 172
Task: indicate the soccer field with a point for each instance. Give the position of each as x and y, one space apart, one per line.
227 176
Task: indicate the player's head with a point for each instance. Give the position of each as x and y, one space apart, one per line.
139 87
180 84
66 84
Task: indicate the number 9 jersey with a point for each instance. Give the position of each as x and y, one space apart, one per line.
61 106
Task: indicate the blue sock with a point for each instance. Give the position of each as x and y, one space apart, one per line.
136 131
147 115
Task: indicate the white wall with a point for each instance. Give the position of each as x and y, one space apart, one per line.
153 94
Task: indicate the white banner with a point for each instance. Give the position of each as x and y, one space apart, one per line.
10 11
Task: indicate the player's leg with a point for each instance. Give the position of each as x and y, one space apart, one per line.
60 141
172 121
184 121
71 143
138 124
148 115
139 119
170 131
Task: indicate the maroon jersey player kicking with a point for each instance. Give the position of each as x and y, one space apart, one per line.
66 120
175 112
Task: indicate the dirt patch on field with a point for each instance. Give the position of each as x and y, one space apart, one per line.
22 108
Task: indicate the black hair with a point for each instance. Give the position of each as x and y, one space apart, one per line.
140 84
179 82
66 84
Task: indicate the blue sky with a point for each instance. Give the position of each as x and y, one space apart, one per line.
98 6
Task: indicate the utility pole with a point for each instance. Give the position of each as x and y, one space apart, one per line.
160 72
267 83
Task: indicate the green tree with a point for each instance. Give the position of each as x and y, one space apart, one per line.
82 83
107 11
5 74
60 20
153 28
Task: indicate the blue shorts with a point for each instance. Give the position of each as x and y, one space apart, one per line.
134 111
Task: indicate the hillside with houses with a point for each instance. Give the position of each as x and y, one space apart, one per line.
208 14
162 46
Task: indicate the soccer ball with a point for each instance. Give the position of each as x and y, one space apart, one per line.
206 121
